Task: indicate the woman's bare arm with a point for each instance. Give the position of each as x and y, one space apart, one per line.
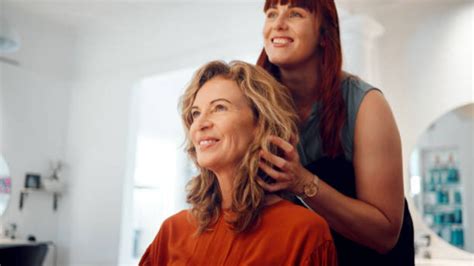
375 217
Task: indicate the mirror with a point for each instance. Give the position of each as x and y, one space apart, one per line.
442 177
5 185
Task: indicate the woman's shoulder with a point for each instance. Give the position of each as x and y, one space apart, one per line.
352 84
174 229
180 219
297 216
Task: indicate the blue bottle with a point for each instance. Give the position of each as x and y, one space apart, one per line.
453 173
458 216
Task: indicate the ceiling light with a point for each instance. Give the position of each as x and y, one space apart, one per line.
9 39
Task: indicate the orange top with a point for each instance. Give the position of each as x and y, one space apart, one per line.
288 234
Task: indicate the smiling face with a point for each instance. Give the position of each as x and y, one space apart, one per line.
290 34
222 125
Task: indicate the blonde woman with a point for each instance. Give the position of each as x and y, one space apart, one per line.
230 113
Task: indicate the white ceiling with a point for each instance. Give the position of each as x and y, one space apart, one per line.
106 13
103 29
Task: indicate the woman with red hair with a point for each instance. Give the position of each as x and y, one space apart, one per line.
347 166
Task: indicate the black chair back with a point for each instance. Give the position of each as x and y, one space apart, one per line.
23 255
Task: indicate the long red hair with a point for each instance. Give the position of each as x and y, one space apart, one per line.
329 73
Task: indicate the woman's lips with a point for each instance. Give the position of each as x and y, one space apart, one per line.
205 144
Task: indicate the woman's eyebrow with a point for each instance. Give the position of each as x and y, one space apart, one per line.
212 102
220 99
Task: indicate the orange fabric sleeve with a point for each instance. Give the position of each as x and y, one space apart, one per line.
157 252
325 255
146 258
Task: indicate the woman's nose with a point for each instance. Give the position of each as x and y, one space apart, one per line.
204 122
280 23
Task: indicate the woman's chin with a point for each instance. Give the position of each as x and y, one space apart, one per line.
207 164
282 62
278 60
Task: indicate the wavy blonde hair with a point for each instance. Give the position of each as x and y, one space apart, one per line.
274 113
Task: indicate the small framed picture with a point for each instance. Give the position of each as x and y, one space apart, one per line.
32 181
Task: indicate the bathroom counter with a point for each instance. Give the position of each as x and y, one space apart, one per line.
7 242
443 262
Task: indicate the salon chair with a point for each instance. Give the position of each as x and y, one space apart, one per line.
23 255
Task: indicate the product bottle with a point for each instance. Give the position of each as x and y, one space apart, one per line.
435 173
453 173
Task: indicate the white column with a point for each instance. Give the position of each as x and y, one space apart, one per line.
359 35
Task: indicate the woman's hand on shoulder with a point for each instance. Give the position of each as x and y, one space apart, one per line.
288 172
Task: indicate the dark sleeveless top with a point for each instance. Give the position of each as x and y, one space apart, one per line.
339 173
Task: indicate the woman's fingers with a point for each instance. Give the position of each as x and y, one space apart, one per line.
273 159
278 176
288 169
283 144
293 140
272 187
287 147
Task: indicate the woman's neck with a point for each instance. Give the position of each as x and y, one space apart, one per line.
272 199
302 81
226 185
225 179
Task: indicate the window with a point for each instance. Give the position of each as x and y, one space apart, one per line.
161 165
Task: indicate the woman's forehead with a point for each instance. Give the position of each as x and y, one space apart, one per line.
307 4
218 88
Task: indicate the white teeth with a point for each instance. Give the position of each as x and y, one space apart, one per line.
206 143
281 40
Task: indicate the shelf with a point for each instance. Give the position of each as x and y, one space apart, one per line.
437 187
25 191
441 207
441 199
460 225
38 190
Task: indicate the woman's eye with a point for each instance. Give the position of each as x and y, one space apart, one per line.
295 14
220 108
195 114
271 14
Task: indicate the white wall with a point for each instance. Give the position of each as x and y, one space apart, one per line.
1 109
2 106
425 70
35 100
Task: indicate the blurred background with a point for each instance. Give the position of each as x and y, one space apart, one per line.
88 105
